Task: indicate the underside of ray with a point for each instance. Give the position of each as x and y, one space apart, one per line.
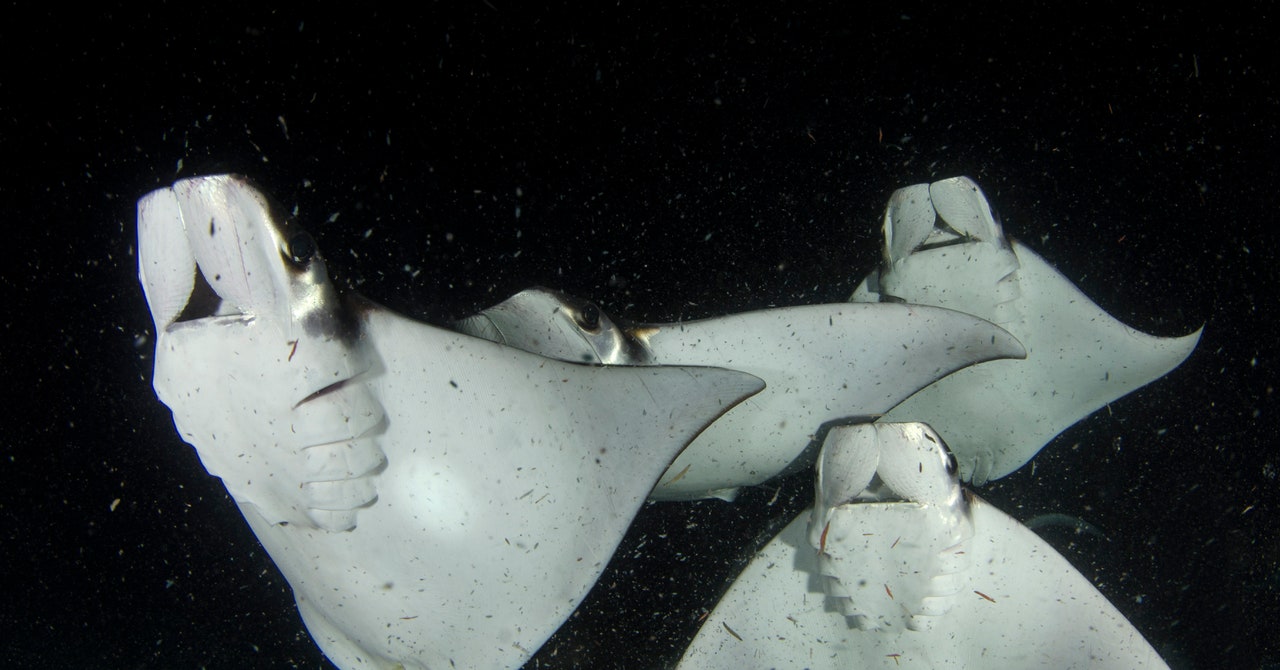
998 415
1008 601
892 550
369 452
535 496
822 364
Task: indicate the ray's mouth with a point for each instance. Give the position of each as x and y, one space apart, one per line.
204 303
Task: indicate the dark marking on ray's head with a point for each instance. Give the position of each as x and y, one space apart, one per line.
301 249
588 317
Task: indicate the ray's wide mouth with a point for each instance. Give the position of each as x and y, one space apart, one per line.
204 303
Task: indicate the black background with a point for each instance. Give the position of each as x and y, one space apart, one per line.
669 161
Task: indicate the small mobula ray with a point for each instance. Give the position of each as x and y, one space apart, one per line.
821 364
942 247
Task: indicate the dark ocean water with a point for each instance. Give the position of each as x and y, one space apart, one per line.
669 162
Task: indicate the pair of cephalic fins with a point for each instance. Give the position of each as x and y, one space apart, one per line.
437 499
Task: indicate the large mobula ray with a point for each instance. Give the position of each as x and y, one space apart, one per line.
434 499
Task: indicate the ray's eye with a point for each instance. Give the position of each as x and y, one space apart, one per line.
952 466
302 248
588 317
